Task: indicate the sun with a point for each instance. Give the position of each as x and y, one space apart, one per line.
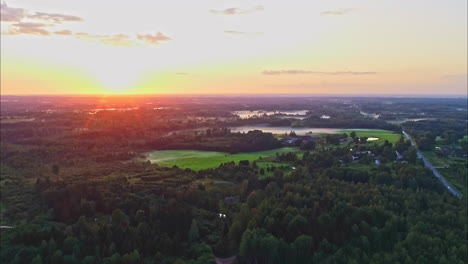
118 80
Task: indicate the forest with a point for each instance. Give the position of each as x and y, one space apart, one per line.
90 196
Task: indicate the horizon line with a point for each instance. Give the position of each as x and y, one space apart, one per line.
251 95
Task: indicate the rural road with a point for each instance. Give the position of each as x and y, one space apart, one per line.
428 165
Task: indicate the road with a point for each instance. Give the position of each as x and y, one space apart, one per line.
436 173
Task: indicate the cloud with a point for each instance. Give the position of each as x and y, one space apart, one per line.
56 18
117 40
28 28
297 72
114 40
237 11
21 21
11 14
153 39
122 39
236 32
337 12
269 72
64 32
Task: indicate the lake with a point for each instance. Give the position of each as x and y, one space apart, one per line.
286 129
401 121
300 114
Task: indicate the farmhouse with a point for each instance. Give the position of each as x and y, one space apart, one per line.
297 140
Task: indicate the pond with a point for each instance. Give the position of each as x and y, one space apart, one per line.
371 115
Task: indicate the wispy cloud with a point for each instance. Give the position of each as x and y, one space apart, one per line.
298 72
115 39
153 39
122 39
276 72
28 28
23 22
236 32
56 18
11 14
64 32
237 11
337 12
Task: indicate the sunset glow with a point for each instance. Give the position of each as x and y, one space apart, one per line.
202 47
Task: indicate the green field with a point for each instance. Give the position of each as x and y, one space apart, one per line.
435 160
382 135
270 164
198 160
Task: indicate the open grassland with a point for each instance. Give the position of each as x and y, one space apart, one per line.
198 160
382 135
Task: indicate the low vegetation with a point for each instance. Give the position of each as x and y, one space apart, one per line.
197 160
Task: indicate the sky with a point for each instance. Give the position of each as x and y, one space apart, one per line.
234 47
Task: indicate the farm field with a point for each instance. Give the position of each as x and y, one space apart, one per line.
198 160
382 135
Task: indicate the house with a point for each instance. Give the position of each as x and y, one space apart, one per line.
289 141
358 154
297 140
399 156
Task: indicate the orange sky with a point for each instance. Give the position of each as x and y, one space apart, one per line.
210 46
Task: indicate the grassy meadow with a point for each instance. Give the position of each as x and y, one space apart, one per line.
382 135
198 160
